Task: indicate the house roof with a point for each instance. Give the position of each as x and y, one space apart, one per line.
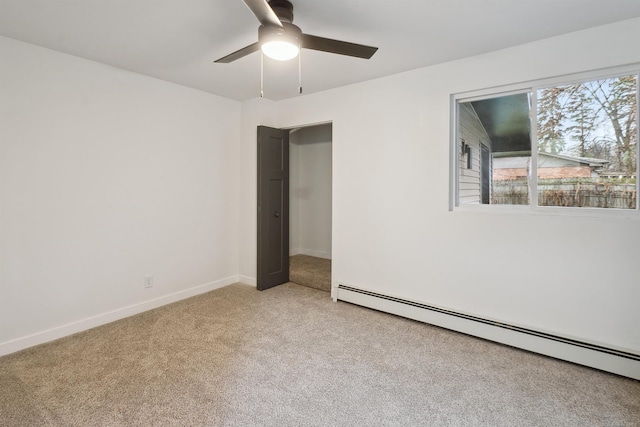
178 41
587 161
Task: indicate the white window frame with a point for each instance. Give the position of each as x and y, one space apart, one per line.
532 88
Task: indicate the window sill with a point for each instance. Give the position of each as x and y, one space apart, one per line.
630 214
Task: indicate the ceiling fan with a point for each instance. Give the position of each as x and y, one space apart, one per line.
280 39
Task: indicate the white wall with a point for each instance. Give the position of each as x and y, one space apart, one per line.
107 176
310 191
393 232
258 111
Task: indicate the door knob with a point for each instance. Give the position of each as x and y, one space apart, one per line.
277 214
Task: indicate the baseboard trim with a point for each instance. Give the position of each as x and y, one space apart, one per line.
108 317
248 280
311 252
584 353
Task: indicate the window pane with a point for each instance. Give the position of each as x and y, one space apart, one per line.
494 150
587 135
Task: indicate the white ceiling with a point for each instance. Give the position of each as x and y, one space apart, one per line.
178 40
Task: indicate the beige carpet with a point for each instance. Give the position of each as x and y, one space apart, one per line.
289 356
310 271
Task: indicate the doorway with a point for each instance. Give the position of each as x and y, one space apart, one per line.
310 172
294 206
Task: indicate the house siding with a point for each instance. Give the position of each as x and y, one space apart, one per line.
471 131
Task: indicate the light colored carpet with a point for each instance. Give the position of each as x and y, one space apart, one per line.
310 271
289 356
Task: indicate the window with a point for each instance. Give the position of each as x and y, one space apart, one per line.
550 145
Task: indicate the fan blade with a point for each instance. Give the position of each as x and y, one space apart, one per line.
239 53
263 12
337 46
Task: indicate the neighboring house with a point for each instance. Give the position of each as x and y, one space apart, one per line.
549 166
474 142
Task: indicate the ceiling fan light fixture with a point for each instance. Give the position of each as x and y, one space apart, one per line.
280 39
280 47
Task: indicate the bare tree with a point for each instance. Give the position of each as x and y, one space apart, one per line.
551 115
599 115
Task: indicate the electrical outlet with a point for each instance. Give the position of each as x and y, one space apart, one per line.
148 281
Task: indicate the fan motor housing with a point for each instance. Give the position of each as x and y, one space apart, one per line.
283 10
288 30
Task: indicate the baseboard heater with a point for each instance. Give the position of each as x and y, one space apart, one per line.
596 356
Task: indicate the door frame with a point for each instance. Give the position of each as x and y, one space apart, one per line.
295 128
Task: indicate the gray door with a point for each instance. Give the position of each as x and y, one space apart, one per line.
273 207
486 172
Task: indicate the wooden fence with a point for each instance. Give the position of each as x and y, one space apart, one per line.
572 193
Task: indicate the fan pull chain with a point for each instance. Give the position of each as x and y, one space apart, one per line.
261 75
300 71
